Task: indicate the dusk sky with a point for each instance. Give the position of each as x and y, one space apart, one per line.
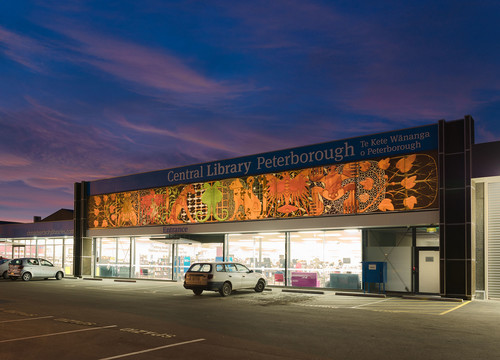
97 89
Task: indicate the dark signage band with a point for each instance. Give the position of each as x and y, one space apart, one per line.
40 229
412 140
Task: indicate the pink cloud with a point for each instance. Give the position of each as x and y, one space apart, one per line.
146 67
20 202
50 149
179 135
9 160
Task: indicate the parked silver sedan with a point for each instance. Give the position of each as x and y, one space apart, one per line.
28 268
4 267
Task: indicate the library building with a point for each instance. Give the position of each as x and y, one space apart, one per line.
408 211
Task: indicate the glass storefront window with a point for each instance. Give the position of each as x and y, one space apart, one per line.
40 248
30 249
316 258
68 256
56 250
325 259
6 248
123 257
264 252
106 257
49 250
152 259
188 254
3 252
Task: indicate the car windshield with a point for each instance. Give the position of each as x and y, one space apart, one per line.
242 268
201 268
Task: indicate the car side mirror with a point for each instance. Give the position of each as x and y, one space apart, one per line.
250 271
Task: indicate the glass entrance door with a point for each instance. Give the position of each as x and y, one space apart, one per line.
18 251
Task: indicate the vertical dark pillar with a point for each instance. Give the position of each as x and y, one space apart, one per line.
80 219
457 266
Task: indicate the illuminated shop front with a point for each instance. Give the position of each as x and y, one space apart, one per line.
306 217
51 240
149 258
314 255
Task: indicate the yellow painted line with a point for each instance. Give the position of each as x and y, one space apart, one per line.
456 307
427 307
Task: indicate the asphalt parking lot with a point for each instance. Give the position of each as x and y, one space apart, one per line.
89 319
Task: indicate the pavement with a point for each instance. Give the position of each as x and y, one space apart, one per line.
111 319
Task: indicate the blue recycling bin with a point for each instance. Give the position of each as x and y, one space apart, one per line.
374 272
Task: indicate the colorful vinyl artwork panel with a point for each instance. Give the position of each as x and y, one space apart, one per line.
401 183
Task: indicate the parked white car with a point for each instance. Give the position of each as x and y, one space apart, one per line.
28 268
4 267
223 277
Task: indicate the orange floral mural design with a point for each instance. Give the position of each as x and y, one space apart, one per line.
400 183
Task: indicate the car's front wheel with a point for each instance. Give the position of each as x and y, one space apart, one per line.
260 286
226 289
198 291
26 276
59 275
4 275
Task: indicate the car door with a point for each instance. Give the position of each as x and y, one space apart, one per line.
47 269
247 280
33 267
233 276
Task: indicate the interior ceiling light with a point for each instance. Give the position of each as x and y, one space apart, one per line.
352 231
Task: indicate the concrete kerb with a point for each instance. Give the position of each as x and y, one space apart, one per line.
317 292
303 291
360 294
431 297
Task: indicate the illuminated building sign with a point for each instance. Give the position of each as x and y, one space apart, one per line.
414 140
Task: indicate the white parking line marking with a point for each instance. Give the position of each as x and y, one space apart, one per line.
153 349
59 333
43 317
